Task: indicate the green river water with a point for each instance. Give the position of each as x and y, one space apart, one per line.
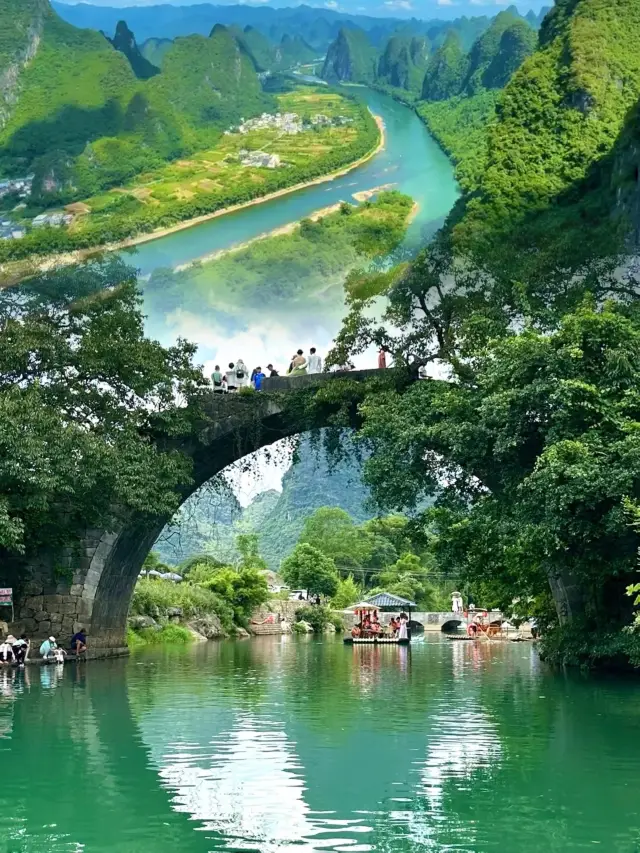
279 744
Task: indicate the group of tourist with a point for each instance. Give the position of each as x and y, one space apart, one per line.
237 375
370 626
15 652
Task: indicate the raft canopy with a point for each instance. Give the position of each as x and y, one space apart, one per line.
386 599
361 605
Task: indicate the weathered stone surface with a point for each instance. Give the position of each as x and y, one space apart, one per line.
42 616
76 589
174 611
52 603
43 628
210 627
138 622
241 634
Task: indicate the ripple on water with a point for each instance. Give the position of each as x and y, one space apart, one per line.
298 745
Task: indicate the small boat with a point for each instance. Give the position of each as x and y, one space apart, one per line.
382 601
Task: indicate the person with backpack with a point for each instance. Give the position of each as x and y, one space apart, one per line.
242 375
217 380
230 376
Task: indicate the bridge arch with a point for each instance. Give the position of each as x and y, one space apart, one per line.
94 584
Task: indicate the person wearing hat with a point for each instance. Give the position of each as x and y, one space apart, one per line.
6 650
48 647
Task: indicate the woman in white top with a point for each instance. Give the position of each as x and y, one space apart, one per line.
402 630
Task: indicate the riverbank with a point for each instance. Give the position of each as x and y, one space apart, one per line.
12 272
281 231
290 227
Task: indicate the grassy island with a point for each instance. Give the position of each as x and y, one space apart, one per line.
304 263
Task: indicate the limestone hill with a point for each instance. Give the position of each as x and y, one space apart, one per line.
74 113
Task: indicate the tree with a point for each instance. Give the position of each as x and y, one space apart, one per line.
247 545
308 568
531 458
244 589
408 578
347 592
333 532
89 407
152 562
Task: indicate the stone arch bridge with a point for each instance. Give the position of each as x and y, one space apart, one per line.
92 582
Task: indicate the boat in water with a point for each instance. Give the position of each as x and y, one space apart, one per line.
376 623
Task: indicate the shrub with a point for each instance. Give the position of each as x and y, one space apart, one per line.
170 635
348 592
317 616
155 595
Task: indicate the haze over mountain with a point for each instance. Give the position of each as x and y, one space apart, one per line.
318 25
446 9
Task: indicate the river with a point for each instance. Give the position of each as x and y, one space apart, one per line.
260 330
305 744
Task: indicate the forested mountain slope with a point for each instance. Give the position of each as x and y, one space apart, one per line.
559 120
210 520
351 58
460 91
403 62
155 49
73 112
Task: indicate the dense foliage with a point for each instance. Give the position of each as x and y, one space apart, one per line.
308 568
547 177
460 124
88 406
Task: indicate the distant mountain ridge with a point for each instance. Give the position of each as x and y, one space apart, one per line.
317 25
210 521
435 67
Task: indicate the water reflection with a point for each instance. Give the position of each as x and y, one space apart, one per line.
269 745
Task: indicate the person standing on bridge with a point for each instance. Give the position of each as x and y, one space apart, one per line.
314 363
216 379
242 378
382 358
230 376
258 378
272 371
298 364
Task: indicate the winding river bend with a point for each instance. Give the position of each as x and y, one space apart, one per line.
260 331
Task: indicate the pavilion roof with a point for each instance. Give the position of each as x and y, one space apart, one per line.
387 599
